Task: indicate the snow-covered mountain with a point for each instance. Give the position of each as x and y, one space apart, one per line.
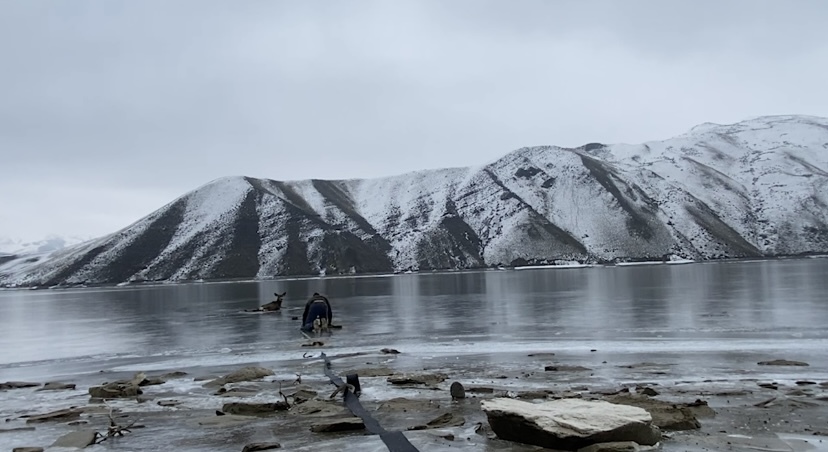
48 244
756 188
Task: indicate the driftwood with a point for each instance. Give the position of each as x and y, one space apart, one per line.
283 395
341 388
114 429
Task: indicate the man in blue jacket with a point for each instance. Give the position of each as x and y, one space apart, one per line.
318 314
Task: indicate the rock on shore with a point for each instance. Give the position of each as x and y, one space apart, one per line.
569 424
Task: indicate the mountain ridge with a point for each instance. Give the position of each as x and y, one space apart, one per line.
749 189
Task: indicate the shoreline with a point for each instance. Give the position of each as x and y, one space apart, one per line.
567 266
746 404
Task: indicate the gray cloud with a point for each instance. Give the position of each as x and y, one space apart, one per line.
111 109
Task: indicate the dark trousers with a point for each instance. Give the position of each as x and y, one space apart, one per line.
317 309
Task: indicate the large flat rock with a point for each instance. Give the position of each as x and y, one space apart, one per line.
254 409
67 414
620 446
569 424
257 447
344 424
56 386
319 408
79 439
666 415
249 373
419 378
17 385
115 390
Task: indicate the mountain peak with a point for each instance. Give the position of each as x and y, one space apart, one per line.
761 122
750 189
50 243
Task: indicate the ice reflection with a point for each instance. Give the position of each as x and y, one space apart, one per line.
486 312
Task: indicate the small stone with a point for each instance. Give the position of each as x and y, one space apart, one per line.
73 423
457 390
647 391
390 351
566 369
168 403
805 382
173 375
255 447
617 446
447 436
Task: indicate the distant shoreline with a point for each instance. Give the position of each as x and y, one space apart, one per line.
567 266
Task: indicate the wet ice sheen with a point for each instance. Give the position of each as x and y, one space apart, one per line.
700 320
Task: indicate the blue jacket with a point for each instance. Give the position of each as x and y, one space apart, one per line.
313 310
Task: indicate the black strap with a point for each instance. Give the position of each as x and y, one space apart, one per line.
394 441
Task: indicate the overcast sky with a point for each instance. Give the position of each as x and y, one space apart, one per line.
110 109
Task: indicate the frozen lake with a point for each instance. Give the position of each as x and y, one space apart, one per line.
705 319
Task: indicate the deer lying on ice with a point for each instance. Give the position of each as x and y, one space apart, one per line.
274 305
